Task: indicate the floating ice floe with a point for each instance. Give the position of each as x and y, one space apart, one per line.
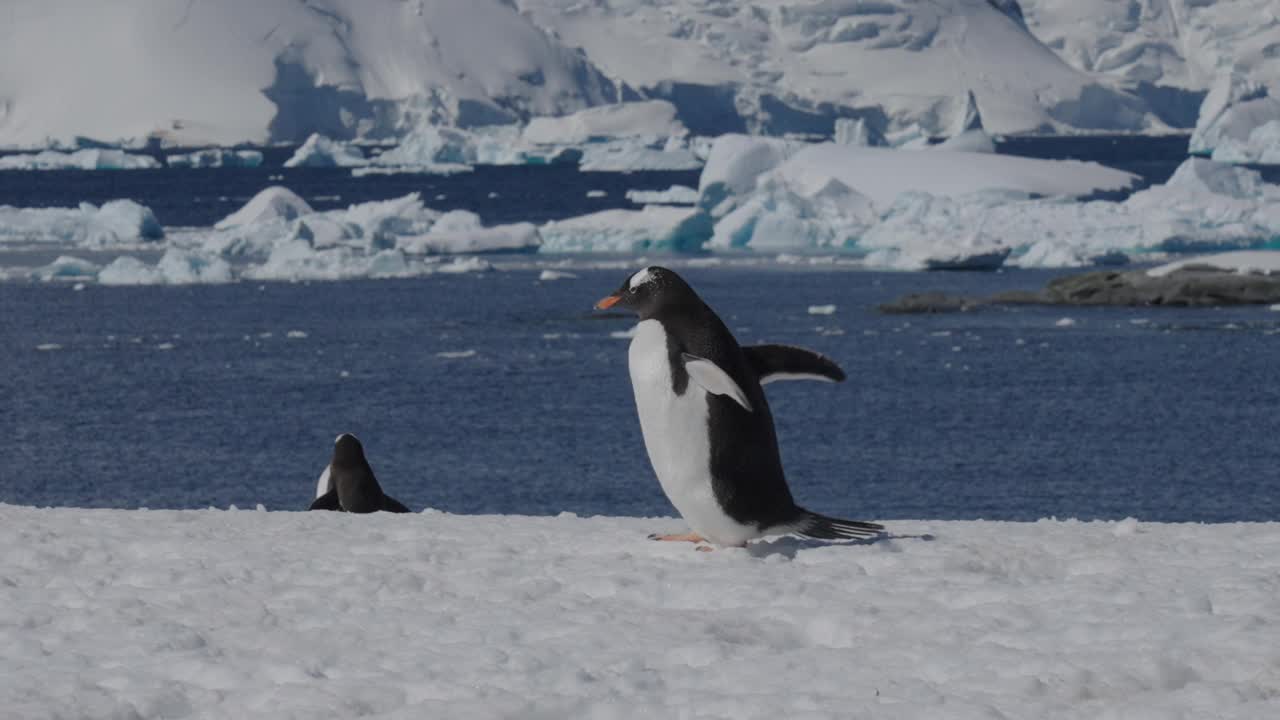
674 195
548 275
1259 262
115 223
67 267
940 209
215 157
1239 122
272 203
175 267
652 227
88 159
648 119
320 151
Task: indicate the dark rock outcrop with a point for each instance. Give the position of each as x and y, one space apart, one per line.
1189 286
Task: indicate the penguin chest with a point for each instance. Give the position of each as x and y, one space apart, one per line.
677 437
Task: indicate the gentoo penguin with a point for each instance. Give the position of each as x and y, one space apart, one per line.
704 417
348 483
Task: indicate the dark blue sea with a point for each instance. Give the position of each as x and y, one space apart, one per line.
496 393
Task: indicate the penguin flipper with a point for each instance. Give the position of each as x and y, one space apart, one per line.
787 362
712 378
390 504
327 501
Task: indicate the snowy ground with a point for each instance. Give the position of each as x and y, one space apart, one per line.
216 614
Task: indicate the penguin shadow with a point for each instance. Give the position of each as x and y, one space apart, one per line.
789 546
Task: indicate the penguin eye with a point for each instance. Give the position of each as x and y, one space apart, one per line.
631 290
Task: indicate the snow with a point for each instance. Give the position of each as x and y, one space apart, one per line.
652 227
649 119
1164 43
780 66
88 159
320 151
674 195
215 157
1262 262
247 71
67 267
1235 109
271 203
912 210
116 223
247 614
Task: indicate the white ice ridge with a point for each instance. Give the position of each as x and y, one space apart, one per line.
243 614
1239 122
116 223
1257 262
88 159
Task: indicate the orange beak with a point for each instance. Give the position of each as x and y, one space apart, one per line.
608 302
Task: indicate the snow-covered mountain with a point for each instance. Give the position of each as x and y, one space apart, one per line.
192 72
268 70
1163 46
775 66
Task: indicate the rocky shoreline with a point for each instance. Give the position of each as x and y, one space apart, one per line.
1191 285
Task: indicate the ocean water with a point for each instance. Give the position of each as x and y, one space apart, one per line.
497 393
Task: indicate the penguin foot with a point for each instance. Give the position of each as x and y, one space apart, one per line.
686 537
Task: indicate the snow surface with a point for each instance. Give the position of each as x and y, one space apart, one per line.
1171 43
247 71
242 614
779 66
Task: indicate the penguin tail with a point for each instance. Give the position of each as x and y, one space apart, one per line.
820 527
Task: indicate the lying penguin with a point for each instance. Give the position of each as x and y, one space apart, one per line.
706 424
348 483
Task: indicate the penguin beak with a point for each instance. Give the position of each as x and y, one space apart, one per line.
608 302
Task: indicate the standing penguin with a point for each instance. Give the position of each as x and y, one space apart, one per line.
348 483
704 417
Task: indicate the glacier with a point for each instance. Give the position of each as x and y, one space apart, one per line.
241 71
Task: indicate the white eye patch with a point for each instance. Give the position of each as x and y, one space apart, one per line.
641 278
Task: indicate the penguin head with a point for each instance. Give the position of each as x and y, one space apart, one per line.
347 450
647 292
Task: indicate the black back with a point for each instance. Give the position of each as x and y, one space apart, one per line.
352 479
746 469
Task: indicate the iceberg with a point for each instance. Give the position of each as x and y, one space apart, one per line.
215 157
116 223
271 203
652 227
88 159
67 267
460 231
175 267
320 151
674 195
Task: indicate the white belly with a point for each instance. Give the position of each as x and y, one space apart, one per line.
677 438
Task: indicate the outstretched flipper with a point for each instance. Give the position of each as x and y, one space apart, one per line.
327 501
787 362
322 483
714 379
821 527
390 504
